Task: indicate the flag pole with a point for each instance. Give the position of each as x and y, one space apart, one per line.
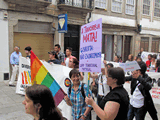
88 84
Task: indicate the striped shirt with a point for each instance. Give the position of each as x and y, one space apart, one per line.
78 101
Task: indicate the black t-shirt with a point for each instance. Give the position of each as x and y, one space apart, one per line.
55 61
119 95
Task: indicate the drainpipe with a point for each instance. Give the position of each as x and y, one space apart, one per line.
89 17
90 3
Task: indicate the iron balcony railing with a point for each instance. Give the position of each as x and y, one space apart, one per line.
78 3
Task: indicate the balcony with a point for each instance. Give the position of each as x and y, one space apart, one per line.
32 6
83 6
31 3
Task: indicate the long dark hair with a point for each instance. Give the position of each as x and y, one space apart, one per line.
42 95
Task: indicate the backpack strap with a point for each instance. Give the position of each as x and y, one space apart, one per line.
82 90
69 90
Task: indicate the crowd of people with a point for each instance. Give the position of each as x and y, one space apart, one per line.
153 64
113 102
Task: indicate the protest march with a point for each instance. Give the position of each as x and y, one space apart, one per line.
112 89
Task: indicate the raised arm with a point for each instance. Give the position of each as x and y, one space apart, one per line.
106 68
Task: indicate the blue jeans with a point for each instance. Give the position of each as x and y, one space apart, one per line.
139 113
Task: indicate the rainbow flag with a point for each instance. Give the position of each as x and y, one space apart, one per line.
40 75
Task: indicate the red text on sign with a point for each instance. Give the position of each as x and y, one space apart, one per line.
90 37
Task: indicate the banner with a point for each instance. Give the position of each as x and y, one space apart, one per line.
155 91
24 77
144 55
60 73
90 47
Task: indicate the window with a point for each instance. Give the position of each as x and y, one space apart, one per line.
146 7
155 45
157 8
144 43
117 6
101 4
130 7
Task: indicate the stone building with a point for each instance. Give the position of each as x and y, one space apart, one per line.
127 26
25 24
149 18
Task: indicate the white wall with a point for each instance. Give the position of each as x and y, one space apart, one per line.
114 20
54 2
4 47
151 25
3 4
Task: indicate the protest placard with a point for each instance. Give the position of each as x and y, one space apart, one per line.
155 91
130 66
90 47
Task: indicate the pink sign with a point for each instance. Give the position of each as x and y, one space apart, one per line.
90 47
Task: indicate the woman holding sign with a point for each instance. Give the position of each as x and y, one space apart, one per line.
114 105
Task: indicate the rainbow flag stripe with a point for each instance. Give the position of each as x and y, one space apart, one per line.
40 75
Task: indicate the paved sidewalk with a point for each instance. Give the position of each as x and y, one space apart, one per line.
11 107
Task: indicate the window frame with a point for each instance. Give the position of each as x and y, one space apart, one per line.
130 5
157 8
112 4
101 7
149 8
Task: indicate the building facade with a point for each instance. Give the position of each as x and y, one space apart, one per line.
149 18
128 25
25 24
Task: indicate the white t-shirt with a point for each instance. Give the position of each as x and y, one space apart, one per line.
137 99
105 86
67 61
152 68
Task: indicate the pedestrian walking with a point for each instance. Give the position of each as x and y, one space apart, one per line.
130 58
53 58
103 88
60 55
27 51
153 63
139 54
141 100
158 65
14 61
116 58
40 103
69 55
